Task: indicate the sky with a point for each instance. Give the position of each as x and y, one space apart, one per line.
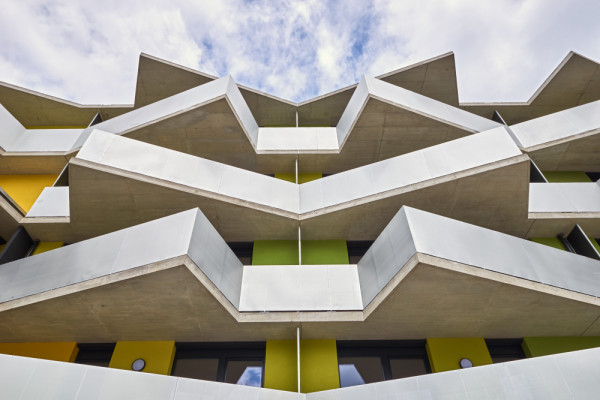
88 51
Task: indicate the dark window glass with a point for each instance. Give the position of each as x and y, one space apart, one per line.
503 350
196 368
247 373
359 370
97 354
405 367
238 363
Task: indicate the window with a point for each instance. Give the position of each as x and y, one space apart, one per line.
98 354
363 362
503 350
238 363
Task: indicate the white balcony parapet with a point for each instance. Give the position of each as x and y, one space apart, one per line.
52 202
559 127
567 375
369 183
15 138
413 240
564 198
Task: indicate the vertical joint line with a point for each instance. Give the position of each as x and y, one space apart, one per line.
299 245
298 355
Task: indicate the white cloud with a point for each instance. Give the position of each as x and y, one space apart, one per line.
294 49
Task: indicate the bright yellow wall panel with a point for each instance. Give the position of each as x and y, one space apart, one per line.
445 353
157 355
303 177
25 189
57 351
43 247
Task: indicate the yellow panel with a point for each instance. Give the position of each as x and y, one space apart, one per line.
25 189
157 355
302 177
2 247
445 353
281 365
59 351
318 365
43 247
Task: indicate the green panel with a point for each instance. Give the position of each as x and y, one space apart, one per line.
318 365
445 353
566 176
285 252
543 346
316 252
303 177
275 252
551 241
281 365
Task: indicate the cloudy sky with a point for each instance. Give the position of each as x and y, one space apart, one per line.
87 51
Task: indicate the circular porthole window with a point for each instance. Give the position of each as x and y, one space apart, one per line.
465 363
138 364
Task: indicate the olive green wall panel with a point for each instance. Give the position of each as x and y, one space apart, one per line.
566 176
285 252
543 346
275 252
551 241
318 365
324 252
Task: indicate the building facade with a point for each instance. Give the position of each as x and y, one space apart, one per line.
355 245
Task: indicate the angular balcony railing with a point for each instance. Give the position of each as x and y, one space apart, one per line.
181 265
222 190
569 375
556 207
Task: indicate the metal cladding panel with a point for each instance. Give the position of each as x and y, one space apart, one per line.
561 125
433 162
352 111
297 139
572 197
560 376
242 111
44 140
30 378
172 166
300 287
52 202
161 109
10 129
386 257
428 107
151 242
215 259
483 248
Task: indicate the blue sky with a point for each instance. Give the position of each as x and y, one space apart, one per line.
87 51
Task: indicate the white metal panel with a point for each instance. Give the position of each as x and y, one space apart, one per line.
560 125
52 202
428 107
300 287
181 102
568 197
483 248
10 129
